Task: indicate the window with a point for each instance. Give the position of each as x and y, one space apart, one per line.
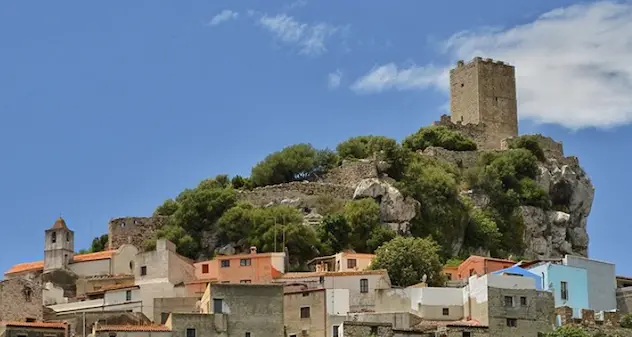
564 289
217 305
67 237
293 335
508 301
321 279
112 334
335 332
446 312
351 263
305 294
466 334
245 262
245 281
205 268
374 330
247 334
190 332
364 285
163 317
131 265
449 276
128 295
53 237
225 263
143 270
512 322
305 312
122 225
28 293
30 320
523 301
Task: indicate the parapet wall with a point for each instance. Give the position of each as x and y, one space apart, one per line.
306 191
133 230
595 323
551 148
477 132
351 172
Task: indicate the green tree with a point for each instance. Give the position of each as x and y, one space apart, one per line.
363 216
439 136
568 331
200 208
99 244
408 259
169 207
238 182
380 147
334 234
296 162
379 235
530 143
185 243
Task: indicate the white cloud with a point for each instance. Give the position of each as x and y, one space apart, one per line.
296 4
334 79
310 38
572 64
223 16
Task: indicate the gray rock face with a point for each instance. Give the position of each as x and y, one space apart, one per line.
563 230
394 207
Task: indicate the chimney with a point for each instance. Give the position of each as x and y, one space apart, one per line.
253 250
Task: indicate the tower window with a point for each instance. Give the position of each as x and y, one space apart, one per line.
53 237
462 85
67 237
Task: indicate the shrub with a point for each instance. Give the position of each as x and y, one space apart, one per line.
438 136
530 143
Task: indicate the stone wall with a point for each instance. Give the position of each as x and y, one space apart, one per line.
461 159
133 230
20 299
365 329
477 132
351 172
536 316
306 192
624 300
166 305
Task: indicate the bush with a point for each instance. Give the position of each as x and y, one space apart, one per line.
363 147
529 143
438 136
626 321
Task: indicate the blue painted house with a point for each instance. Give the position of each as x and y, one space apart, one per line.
519 271
569 284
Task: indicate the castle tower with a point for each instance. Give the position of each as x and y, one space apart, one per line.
484 92
59 246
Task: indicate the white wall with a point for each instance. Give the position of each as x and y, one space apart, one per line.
123 260
441 296
120 296
90 268
52 294
507 281
602 283
150 289
337 301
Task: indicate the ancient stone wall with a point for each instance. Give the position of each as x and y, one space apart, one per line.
477 132
551 148
307 192
364 329
133 230
20 299
351 172
461 159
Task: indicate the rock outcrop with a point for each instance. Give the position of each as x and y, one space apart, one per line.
395 209
561 230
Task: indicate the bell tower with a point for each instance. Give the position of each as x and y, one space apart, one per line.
59 246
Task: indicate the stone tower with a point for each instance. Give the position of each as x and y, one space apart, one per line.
484 92
59 246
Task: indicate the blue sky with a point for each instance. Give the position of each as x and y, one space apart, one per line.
109 109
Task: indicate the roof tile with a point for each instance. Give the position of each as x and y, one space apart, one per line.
39 265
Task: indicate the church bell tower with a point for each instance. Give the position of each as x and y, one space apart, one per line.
59 246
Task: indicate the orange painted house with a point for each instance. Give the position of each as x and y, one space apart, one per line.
243 268
476 265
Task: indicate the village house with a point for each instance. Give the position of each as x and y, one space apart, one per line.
115 298
160 273
475 265
314 312
361 284
20 300
343 261
578 282
33 329
242 268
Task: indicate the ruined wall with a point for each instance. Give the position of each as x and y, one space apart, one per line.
20 299
133 230
477 132
460 159
307 192
351 172
551 148
364 329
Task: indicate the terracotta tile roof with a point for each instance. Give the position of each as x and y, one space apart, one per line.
51 325
39 265
141 328
94 256
332 273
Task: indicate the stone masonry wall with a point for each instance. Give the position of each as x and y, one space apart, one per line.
364 329
477 132
20 299
306 191
551 148
461 159
133 230
537 316
351 172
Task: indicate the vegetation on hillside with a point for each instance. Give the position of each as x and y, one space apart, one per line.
210 215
